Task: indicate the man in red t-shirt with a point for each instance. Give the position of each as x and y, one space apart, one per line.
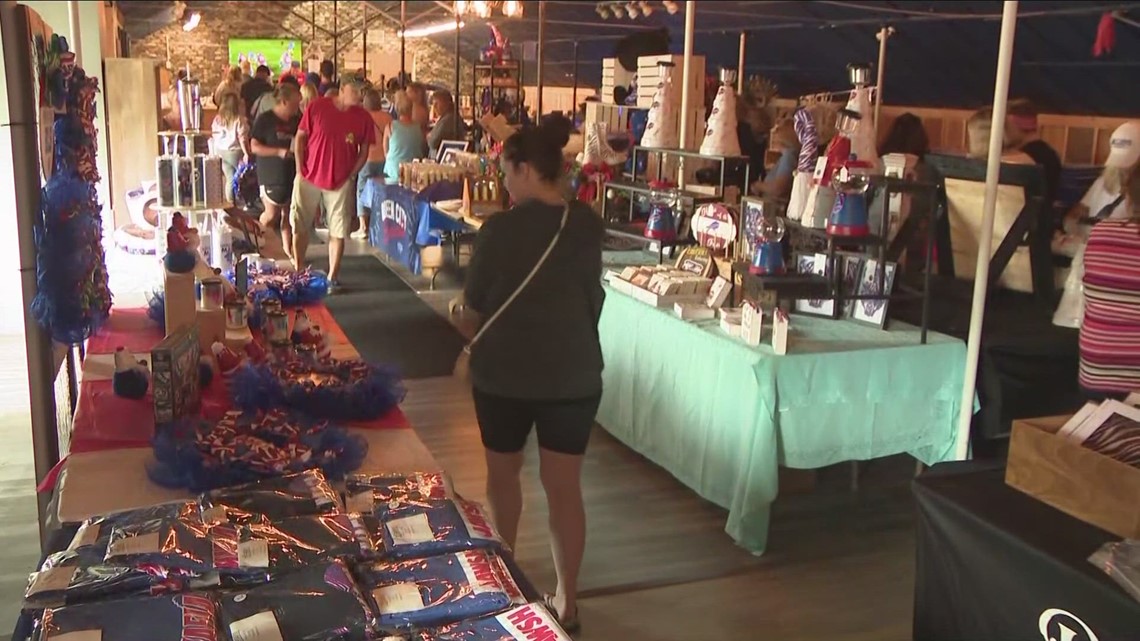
331 147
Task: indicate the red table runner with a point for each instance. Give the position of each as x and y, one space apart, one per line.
104 421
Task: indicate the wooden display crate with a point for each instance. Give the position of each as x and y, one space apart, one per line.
649 74
1074 479
614 75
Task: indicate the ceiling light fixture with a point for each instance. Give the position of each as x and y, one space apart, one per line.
646 8
431 30
192 20
481 8
671 6
461 7
603 12
631 9
512 9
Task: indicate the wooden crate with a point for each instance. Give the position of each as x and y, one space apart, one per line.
615 117
614 75
1076 480
649 74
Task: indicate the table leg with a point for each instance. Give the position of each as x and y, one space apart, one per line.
854 476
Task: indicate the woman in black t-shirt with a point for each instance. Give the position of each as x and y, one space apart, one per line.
272 144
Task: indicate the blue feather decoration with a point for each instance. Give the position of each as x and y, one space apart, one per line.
260 387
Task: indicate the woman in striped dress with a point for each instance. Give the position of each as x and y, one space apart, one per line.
1110 333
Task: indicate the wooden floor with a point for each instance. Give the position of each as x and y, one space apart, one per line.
659 566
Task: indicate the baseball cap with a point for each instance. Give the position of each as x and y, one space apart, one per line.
1124 146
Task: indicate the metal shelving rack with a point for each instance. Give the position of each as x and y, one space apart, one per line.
485 77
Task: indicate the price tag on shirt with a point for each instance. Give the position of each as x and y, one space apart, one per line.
410 530
80 635
132 545
88 534
402 597
360 503
253 554
53 580
215 515
259 627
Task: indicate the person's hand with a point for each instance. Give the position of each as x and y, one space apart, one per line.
283 153
245 157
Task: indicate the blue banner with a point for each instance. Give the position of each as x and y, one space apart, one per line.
401 223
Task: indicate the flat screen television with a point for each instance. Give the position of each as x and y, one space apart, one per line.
277 54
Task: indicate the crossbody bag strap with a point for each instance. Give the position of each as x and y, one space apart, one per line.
525 282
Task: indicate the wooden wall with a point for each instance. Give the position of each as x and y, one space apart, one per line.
1080 140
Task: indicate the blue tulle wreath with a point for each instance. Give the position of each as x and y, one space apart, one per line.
292 288
374 393
200 456
72 299
156 308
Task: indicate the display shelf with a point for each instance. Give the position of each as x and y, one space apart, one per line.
867 240
636 234
502 81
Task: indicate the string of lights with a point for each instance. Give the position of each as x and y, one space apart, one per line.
633 10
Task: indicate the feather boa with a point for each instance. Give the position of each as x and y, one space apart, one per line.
376 392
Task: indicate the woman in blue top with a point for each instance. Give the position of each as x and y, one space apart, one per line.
778 184
404 139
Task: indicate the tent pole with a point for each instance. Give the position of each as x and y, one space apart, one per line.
686 81
538 65
884 33
455 98
365 30
574 90
985 243
74 38
740 65
403 42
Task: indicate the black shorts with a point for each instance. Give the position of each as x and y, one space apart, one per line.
279 195
563 425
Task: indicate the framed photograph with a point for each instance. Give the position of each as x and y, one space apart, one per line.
453 146
448 157
814 264
851 266
873 312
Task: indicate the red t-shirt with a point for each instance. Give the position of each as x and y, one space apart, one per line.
335 139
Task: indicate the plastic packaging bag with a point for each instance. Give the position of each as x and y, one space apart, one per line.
384 494
435 527
318 603
1121 561
302 494
530 621
439 590
163 618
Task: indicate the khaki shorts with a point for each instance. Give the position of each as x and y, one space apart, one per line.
339 206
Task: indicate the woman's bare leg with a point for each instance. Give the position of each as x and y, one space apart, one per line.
562 479
504 493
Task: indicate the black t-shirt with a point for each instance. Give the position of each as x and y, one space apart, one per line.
252 90
1044 155
272 131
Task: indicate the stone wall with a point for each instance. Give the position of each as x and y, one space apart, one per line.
206 47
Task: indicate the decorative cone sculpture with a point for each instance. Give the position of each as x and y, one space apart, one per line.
662 130
862 132
720 131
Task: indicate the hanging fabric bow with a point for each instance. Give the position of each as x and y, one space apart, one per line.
1105 35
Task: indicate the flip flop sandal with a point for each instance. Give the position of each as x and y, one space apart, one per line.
570 624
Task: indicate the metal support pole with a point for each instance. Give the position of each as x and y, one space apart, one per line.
574 90
21 122
455 98
313 21
403 43
985 243
538 66
740 64
336 46
883 35
74 37
686 81
365 29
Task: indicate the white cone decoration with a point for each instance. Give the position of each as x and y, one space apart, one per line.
863 138
720 131
661 130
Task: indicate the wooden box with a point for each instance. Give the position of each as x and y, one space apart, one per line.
1076 480
649 74
613 75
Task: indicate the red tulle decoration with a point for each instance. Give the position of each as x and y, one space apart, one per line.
1105 35
592 175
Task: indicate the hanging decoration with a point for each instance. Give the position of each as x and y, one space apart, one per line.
72 299
247 447
1105 35
349 390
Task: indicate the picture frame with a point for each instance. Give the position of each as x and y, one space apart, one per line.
873 312
851 266
450 145
817 264
448 157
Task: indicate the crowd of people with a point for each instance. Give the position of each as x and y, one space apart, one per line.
316 140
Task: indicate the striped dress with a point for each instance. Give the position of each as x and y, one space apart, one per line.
1110 333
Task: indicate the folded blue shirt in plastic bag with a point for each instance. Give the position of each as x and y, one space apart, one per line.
384 494
438 590
319 603
178 617
306 493
530 622
435 527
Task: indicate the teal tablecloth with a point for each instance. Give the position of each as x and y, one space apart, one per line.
721 416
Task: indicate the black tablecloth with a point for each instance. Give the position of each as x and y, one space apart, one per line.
997 565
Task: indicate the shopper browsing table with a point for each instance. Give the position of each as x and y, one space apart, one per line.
448 124
539 363
403 139
331 147
272 143
374 168
230 135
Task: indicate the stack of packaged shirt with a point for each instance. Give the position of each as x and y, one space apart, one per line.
281 560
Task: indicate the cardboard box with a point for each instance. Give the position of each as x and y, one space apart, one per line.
1074 479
